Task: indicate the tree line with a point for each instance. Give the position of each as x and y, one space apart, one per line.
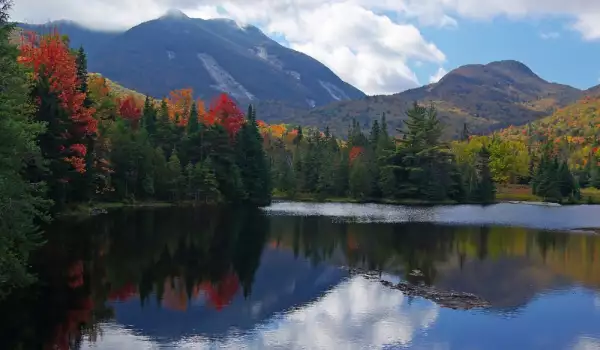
418 165
67 138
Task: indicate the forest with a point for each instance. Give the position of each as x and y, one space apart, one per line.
69 138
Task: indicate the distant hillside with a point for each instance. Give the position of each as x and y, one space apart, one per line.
210 56
486 97
575 129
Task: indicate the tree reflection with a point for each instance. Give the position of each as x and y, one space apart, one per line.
171 257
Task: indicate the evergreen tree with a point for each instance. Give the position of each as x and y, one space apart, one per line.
193 125
161 174
252 162
175 176
149 117
359 181
485 191
546 182
21 202
594 172
205 183
567 183
464 135
375 134
83 188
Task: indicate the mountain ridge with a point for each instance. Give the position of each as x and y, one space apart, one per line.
210 56
485 96
291 87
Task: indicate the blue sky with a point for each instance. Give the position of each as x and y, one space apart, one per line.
385 46
548 47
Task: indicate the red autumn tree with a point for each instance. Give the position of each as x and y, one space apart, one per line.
355 152
130 110
60 101
224 111
222 293
180 103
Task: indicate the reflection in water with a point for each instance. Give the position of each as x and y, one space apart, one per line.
238 278
516 215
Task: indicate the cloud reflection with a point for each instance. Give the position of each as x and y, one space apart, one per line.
356 314
587 343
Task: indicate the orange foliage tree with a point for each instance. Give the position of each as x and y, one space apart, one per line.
54 71
224 111
180 102
130 109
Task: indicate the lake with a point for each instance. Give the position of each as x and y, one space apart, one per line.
311 276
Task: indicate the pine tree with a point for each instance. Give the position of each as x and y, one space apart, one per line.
208 187
21 203
360 180
83 187
149 117
465 134
594 173
193 125
375 134
175 176
485 192
252 161
567 184
161 174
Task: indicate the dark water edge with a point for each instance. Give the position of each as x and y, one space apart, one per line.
278 278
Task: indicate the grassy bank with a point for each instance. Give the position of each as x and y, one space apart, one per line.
87 209
510 193
519 193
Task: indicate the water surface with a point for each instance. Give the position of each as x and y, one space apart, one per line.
278 278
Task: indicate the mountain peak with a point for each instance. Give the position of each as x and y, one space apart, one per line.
512 65
175 14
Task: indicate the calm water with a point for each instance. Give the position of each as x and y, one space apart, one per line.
277 278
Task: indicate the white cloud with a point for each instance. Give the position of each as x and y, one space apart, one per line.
356 314
352 37
550 35
439 74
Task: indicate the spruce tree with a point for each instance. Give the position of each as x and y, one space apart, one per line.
209 187
21 201
252 162
360 180
464 135
149 117
485 191
175 176
375 134
193 125
594 172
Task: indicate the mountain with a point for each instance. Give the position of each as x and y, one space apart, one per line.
486 97
79 36
210 56
574 129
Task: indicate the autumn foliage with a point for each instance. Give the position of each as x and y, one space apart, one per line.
51 61
224 111
130 109
355 152
180 103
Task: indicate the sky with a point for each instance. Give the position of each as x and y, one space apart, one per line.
384 46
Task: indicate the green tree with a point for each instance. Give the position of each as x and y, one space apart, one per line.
193 126
360 180
252 162
175 176
149 117
485 191
21 201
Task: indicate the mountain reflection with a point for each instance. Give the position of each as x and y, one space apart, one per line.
194 276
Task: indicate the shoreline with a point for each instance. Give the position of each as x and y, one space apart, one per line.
505 195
